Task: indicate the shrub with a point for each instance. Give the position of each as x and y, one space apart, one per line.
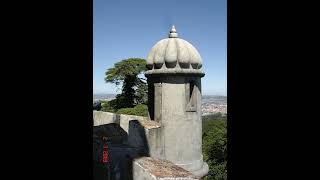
111 106
138 110
107 107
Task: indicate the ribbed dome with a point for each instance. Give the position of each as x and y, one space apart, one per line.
172 54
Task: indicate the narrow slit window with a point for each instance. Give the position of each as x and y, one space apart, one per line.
191 97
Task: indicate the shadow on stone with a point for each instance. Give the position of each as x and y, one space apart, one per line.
137 139
123 147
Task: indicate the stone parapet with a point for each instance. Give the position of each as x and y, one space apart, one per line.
101 118
141 132
158 169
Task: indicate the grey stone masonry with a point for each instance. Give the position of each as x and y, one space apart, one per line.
174 86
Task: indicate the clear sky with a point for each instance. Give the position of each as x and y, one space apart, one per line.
129 28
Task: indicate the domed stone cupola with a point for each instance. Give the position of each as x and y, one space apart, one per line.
174 55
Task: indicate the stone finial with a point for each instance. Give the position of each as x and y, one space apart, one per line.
173 29
173 32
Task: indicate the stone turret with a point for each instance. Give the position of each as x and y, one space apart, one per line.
174 95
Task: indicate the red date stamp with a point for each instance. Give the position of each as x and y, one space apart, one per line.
105 154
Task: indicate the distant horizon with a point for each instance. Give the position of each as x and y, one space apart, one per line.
113 89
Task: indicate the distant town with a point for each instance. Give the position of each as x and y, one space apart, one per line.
214 104
211 104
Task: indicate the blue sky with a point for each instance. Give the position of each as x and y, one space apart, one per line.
129 28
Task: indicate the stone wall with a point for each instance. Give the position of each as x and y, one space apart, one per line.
142 132
101 118
143 138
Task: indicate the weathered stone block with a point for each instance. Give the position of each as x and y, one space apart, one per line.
147 168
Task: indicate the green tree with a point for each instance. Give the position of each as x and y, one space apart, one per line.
126 73
215 147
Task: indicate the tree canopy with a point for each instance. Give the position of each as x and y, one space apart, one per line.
126 73
124 69
214 140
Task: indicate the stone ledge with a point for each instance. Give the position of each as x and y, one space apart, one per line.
148 124
156 169
144 122
175 71
101 118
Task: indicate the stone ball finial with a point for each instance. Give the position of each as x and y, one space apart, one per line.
173 32
173 55
173 29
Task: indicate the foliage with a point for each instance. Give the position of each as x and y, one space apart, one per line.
141 93
120 101
138 110
212 116
211 122
215 147
126 73
218 171
106 106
